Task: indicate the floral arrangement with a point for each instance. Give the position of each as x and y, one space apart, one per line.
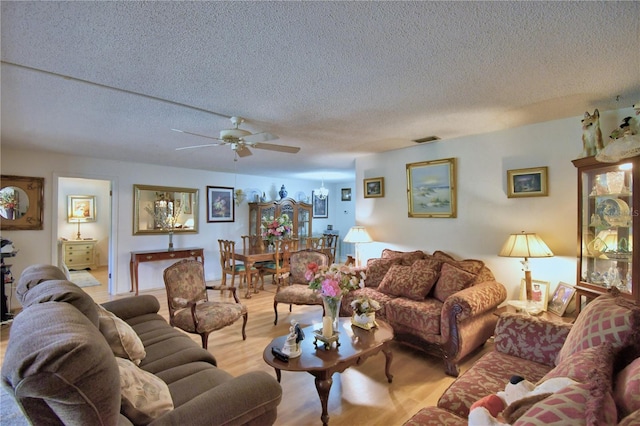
276 227
164 218
8 200
364 305
335 280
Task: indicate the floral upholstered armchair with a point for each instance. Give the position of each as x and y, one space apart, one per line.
295 290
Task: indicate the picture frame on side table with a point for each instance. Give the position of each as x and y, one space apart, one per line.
81 208
561 298
373 187
431 188
531 182
539 292
220 204
320 206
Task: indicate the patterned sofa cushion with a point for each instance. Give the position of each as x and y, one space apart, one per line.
451 280
472 266
423 315
406 257
606 319
627 389
377 269
413 281
595 363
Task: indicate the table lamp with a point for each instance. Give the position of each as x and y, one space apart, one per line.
77 219
525 244
357 235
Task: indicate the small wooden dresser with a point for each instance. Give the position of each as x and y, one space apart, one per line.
79 254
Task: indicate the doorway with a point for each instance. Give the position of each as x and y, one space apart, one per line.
84 245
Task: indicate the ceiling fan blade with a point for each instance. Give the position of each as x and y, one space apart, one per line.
199 146
259 137
243 151
279 148
195 134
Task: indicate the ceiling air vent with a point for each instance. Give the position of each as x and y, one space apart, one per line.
427 139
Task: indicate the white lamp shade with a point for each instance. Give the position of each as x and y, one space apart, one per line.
525 244
357 234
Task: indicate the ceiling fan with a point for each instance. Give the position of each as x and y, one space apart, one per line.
241 140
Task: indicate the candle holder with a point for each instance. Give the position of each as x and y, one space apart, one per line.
327 341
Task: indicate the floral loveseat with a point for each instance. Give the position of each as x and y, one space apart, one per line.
599 351
433 302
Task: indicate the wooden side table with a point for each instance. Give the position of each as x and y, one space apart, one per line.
156 255
545 315
79 254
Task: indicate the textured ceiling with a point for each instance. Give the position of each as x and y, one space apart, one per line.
338 79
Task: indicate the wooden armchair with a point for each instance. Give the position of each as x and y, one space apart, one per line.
296 291
189 306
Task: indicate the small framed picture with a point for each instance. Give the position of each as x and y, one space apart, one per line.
346 194
539 292
527 182
374 187
81 208
320 206
561 298
220 205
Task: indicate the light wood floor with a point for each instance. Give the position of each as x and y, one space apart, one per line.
360 395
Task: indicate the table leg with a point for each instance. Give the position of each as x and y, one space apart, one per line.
133 271
388 355
278 374
323 386
248 268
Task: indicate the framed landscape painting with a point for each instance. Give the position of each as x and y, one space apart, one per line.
374 187
530 182
220 205
431 188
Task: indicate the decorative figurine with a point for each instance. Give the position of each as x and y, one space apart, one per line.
292 344
283 192
591 134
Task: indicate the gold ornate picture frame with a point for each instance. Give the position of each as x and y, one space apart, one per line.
531 182
21 203
374 187
431 188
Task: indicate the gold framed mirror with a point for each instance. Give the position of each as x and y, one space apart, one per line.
161 209
21 202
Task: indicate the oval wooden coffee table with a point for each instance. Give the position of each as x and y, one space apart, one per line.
356 345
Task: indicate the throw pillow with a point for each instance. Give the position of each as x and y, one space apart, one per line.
606 319
592 364
413 282
626 392
407 257
472 266
122 339
377 269
145 397
451 281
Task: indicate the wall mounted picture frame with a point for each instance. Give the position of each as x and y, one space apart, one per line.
431 188
220 204
539 292
81 208
320 206
21 203
561 298
531 182
374 187
346 194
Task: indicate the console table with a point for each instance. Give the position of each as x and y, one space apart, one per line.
138 257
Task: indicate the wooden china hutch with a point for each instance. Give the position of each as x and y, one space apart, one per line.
298 212
608 225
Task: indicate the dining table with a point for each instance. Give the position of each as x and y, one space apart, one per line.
250 256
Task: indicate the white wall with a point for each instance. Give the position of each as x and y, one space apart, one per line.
41 246
485 215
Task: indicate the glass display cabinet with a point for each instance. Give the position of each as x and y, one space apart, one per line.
298 212
608 214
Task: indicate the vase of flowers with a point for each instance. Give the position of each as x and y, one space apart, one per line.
364 312
332 283
276 227
166 219
9 202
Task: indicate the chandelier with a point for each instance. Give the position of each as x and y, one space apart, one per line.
321 192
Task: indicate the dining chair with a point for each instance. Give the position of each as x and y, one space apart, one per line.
255 243
315 243
230 267
331 245
189 306
295 290
280 265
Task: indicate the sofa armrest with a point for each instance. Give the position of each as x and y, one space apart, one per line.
238 401
472 301
134 306
530 338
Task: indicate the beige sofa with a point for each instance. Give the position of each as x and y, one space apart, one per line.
433 302
61 364
600 352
